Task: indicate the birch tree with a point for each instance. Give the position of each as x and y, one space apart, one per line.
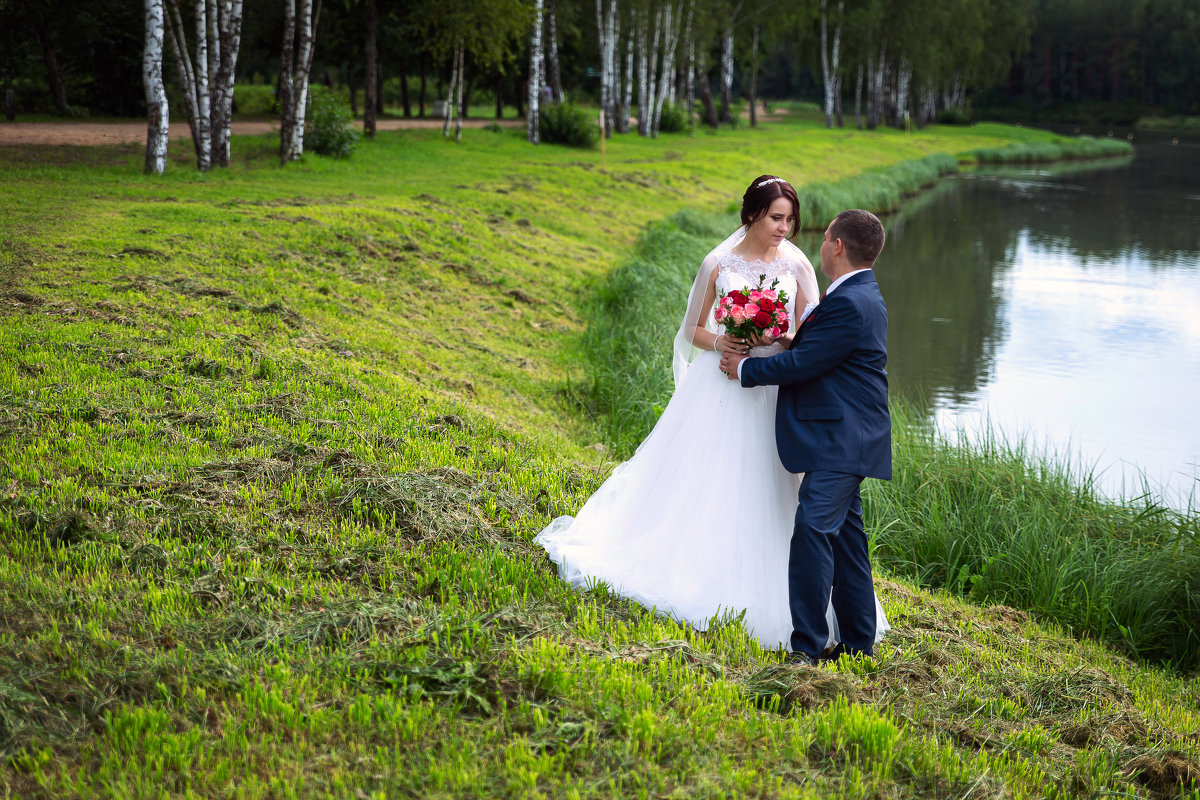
206 73
299 40
606 26
553 70
830 61
157 118
535 74
669 19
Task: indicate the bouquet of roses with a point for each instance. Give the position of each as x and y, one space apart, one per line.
757 311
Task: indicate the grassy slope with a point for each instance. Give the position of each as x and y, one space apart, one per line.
273 447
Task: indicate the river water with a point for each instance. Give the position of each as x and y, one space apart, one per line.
1058 306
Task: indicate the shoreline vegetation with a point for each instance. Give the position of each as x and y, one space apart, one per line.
275 443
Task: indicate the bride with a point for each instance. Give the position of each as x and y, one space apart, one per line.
698 523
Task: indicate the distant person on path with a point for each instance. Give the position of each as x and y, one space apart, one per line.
833 425
697 524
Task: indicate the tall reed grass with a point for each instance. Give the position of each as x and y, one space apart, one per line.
990 520
1001 522
1037 152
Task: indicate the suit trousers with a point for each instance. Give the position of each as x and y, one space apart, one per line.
829 555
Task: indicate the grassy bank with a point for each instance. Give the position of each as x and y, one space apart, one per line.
274 444
1059 149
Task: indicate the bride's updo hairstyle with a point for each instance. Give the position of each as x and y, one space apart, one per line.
764 190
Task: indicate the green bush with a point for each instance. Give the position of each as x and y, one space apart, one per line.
673 118
569 124
255 100
329 126
954 116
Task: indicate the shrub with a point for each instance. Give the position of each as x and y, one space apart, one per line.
673 118
954 116
255 100
329 126
569 124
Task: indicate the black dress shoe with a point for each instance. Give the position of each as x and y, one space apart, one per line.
837 651
800 657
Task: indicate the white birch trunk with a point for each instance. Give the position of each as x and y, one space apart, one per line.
606 13
287 99
535 74
614 112
157 118
727 73
837 65
627 86
655 59
643 68
689 70
304 54
903 82
203 131
184 69
229 42
553 72
458 103
666 81
754 77
450 93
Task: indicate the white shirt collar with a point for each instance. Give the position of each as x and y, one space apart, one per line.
842 280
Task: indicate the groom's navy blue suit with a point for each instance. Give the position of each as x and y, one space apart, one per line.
832 423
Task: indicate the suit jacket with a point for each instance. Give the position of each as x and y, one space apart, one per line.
832 412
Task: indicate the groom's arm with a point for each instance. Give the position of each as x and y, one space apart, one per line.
830 340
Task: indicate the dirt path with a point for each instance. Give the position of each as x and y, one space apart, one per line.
109 133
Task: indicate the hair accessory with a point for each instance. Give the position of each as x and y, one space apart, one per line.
761 184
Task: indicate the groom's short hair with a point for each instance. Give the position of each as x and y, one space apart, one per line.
862 233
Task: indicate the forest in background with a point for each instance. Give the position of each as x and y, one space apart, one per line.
890 60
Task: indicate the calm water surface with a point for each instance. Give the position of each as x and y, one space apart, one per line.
1059 306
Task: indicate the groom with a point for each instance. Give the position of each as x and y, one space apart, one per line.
832 424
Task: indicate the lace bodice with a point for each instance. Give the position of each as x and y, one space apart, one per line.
735 272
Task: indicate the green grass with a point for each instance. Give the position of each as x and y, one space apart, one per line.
1181 123
273 447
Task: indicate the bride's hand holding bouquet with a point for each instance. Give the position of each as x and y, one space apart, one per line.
758 316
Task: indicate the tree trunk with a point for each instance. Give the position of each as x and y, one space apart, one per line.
553 70
53 70
229 40
287 98
499 96
689 47
626 86
405 95
754 79
727 73
461 80
372 76
421 96
535 75
349 70
606 23
710 108
858 87
450 92
10 105
157 118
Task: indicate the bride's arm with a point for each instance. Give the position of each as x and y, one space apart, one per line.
706 339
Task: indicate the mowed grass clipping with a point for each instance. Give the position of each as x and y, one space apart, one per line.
274 444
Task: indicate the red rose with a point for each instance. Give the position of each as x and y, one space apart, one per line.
762 320
766 304
783 326
739 297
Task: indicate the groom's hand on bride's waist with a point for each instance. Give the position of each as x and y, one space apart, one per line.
729 365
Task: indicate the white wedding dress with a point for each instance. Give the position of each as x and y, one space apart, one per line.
697 524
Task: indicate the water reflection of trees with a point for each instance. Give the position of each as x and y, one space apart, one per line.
941 276
1150 207
943 270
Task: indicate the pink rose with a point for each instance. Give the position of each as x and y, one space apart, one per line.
755 296
751 309
775 332
770 294
720 314
726 301
739 314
